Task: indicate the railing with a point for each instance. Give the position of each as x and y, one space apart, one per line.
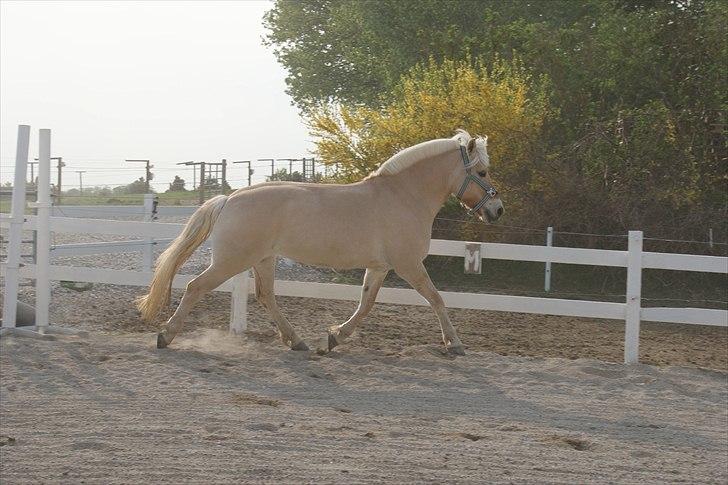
634 259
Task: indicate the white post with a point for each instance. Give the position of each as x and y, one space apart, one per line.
15 236
42 275
634 295
149 246
239 304
547 274
710 237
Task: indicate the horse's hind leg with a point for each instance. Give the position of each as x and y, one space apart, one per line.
373 279
205 282
264 277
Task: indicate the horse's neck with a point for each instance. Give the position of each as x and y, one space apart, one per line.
429 183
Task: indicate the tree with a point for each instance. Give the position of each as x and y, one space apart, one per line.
211 183
503 102
138 186
295 176
283 175
637 133
177 185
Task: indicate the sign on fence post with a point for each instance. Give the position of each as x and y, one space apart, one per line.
473 258
547 273
239 304
149 216
15 236
634 295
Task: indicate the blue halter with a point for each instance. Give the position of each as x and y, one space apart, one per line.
490 191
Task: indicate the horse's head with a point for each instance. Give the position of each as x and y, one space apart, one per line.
475 190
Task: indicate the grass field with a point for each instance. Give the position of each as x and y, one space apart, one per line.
165 198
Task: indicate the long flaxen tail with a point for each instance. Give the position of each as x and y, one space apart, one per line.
195 232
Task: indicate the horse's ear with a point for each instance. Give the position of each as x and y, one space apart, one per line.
471 144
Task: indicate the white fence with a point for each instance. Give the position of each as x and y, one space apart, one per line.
634 259
149 211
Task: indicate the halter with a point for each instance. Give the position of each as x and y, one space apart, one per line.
490 191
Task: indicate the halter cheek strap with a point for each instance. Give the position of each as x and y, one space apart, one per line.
490 191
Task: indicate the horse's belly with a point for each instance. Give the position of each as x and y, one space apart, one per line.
341 255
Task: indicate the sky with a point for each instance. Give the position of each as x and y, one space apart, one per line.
165 81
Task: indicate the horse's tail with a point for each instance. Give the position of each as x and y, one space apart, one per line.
195 232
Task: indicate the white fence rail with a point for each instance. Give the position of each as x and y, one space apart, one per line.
149 211
550 306
634 259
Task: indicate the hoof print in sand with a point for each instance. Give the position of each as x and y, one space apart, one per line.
248 399
7 440
578 444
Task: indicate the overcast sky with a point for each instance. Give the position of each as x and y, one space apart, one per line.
165 81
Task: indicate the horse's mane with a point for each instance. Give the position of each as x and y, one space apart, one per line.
409 156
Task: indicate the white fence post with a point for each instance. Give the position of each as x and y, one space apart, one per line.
239 304
547 274
149 214
634 295
15 236
43 262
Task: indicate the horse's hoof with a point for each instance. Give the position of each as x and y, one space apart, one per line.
326 344
161 343
456 350
322 347
300 346
332 342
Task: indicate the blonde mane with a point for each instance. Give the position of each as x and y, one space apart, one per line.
409 156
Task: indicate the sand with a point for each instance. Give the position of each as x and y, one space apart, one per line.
537 399
110 408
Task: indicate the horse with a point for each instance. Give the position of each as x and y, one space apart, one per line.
380 223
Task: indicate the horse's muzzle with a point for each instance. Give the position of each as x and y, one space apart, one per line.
495 212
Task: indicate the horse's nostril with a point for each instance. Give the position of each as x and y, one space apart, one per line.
499 212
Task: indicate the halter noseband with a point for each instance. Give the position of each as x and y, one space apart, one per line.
490 191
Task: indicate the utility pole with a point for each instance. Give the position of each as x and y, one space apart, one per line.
80 180
202 183
148 173
32 172
224 176
290 164
250 171
58 184
202 176
272 165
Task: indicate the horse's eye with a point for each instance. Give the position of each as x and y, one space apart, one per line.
482 174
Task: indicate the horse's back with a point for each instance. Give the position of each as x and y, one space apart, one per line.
324 224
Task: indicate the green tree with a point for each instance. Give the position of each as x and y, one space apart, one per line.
177 185
283 175
637 134
138 186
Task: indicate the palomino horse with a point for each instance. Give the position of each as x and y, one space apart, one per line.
381 223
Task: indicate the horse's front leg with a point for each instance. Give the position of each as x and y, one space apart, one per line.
416 275
373 279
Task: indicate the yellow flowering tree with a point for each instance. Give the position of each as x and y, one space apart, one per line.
431 101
